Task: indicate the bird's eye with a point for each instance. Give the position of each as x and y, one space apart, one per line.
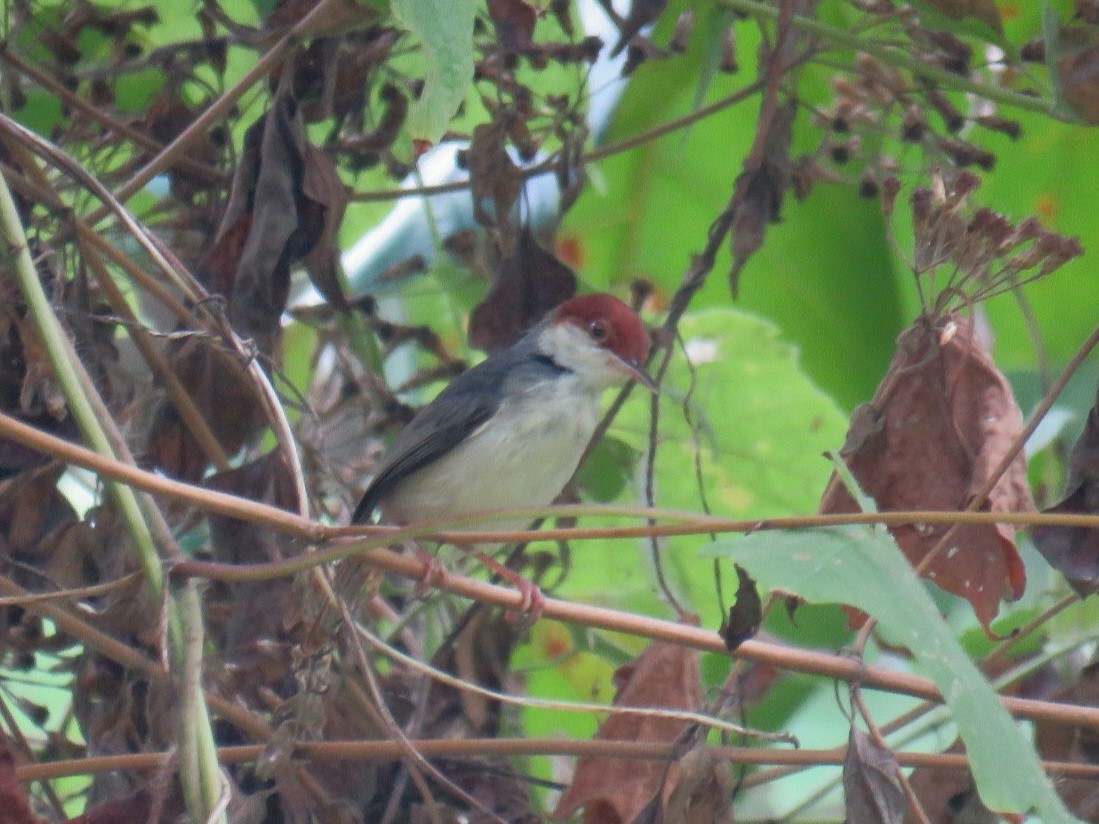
598 330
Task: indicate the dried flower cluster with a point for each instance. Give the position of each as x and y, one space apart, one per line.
965 254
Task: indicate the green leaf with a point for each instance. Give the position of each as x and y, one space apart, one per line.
445 28
761 425
863 567
825 273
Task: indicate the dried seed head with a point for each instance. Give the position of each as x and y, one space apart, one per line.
890 188
1011 128
684 28
914 125
729 62
953 118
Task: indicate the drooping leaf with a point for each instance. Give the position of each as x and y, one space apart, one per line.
949 796
16 805
761 191
615 790
870 785
495 182
445 28
941 421
286 206
514 21
755 416
745 615
1078 744
527 285
221 391
863 567
1074 550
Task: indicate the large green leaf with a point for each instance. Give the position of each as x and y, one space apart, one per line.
825 273
445 28
862 566
760 420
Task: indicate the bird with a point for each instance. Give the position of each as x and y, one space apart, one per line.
511 431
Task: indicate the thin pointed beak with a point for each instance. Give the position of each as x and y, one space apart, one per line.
637 372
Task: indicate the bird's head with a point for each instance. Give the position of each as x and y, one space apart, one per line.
599 338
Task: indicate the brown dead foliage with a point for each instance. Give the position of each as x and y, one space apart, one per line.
15 807
1072 550
286 205
870 787
526 285
941 421
219 387
495 181
693 788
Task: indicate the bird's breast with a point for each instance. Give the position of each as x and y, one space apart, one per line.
521 457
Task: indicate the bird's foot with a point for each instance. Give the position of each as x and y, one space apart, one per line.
531 606
532 602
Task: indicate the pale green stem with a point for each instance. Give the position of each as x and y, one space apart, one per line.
899 59
79 391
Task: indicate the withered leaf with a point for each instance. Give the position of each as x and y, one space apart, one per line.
745 615
494 179
613 790
1073 550
133 809
942 419
870 785
286 205
527 285
13 797
950 796
1078 744
514 21
760 192
252 628
221 390
1078 72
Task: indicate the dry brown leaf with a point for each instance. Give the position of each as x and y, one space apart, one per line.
1080 745
611 790
221 390
1077 59
745 615
941 420
527 285
948 796
870 786
494 179
514 21
287 200
257 638
1073 550
760 193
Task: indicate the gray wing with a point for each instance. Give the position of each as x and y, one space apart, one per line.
463 406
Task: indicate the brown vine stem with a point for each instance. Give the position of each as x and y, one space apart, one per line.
480 747
686 523
822 664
